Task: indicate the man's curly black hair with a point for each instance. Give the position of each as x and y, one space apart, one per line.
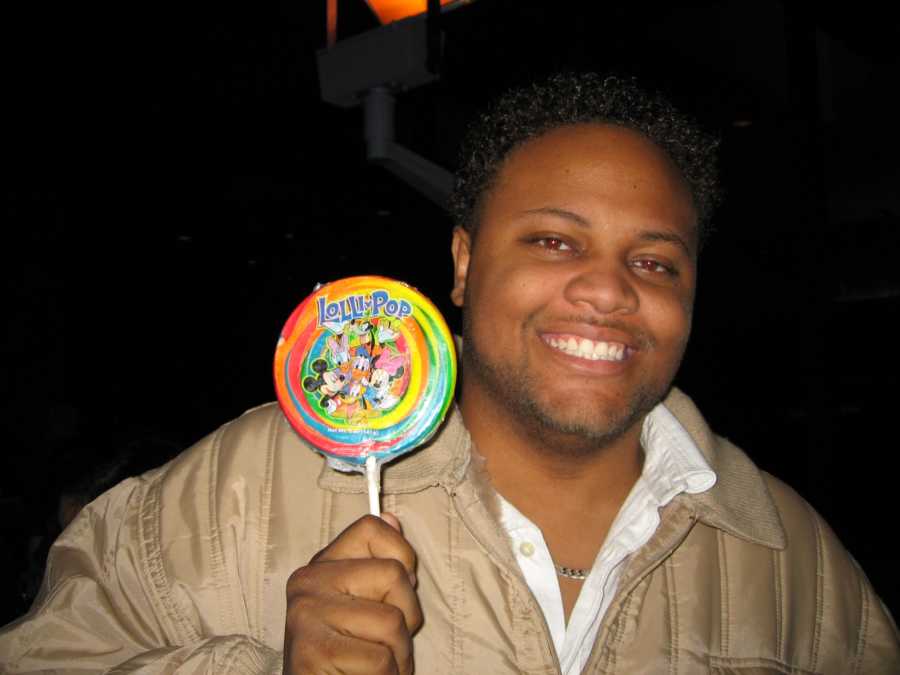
566 99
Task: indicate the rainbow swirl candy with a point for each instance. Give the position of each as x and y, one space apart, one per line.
365 366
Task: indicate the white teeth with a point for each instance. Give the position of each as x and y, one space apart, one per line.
588 349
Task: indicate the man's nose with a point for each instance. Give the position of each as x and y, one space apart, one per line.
605 287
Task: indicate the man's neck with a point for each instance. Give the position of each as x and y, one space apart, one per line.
562 495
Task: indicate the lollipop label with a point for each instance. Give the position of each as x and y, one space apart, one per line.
364 367
334 315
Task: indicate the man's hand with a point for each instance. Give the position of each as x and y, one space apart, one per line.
353 609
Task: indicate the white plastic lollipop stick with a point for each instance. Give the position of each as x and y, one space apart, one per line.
374 484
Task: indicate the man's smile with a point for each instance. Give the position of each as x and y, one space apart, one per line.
585 348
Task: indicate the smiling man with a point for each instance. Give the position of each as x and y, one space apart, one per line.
577 300
574 515
585 265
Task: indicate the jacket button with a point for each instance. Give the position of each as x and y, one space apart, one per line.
526 548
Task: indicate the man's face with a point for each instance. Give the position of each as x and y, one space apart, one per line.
578 290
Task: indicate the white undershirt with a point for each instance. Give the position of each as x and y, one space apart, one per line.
672 464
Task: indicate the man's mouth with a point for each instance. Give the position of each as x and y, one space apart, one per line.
590 350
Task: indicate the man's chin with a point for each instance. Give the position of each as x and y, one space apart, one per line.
587 427
597 418
568 424
583 421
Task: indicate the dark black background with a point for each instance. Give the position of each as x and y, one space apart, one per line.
174 187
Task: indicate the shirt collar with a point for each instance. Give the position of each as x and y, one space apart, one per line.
672 461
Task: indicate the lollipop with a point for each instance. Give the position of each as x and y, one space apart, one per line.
364 371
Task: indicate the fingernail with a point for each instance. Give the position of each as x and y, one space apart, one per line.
391 520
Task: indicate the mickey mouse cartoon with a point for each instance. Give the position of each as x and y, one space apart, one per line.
327 382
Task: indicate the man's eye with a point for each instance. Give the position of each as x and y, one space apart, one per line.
552 244
649 265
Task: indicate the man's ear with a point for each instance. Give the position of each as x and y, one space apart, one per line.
461 249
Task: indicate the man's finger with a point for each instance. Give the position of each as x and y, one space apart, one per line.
373 621
370 537
337 652
388 583
378 580
392 520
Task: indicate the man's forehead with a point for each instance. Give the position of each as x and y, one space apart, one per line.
553 173
600 138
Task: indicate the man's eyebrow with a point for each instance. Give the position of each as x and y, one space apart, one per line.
560 213
664 235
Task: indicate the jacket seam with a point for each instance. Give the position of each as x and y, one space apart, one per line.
717 661
149 527
456 646
390 503
519 602
863 624
619 636
673 615
820 589
724 595
777 589
327 517
262 533
217 555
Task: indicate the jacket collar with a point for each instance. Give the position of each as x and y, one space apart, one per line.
739 503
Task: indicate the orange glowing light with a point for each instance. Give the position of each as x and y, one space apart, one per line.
394 10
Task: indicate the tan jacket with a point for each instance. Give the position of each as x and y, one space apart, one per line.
184 570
